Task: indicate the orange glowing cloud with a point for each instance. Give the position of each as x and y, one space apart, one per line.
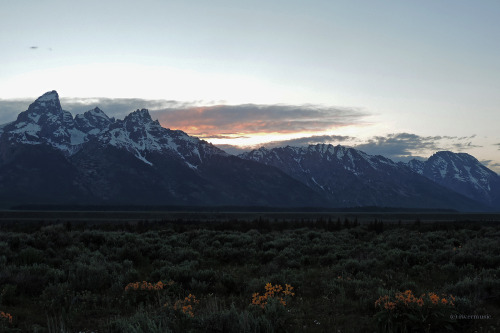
254 119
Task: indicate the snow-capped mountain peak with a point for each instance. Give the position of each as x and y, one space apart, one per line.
138 117
93 121
96 113
462 173
460 166
46 106
49 96
140 135
49 100
46 123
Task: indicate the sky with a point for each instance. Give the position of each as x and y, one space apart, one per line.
403 79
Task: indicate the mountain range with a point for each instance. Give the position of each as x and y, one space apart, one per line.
49 157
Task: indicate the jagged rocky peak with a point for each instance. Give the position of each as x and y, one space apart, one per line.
255 154
48 96
139 116
47 105
96 112
94 120
322 148
48 101
140 121
97 115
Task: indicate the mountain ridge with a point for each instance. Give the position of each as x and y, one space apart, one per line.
129 161
136 160
350 177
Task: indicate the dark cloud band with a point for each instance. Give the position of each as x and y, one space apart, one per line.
215 120
251 118
404 146
298 142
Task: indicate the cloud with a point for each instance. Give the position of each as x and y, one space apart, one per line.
464 146
215 136
399 144
495 167
119 107
37 47
252 118
9 109
298 142
233 150
309 140
492 165
225 121
497 144
405 146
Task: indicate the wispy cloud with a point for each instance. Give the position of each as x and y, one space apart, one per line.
34 47
404 146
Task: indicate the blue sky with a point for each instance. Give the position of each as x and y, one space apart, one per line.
405 78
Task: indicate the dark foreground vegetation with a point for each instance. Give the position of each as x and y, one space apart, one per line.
324 274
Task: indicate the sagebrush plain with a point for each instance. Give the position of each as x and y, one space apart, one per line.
249 272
